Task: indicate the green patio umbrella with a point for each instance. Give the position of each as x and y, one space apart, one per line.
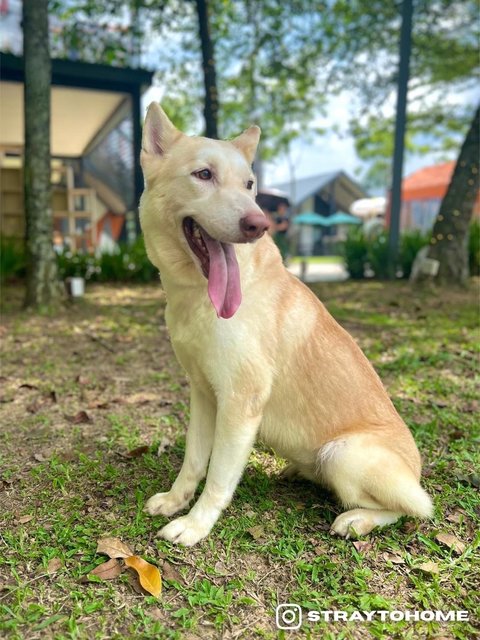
311 218
343 218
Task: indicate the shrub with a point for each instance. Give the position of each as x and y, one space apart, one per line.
76 265
474 248
12 259
410 244
129 263
377 254
355 252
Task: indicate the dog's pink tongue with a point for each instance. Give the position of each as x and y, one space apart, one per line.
223 277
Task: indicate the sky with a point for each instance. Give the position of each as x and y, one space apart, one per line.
328 153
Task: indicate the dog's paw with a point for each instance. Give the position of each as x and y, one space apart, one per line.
166 504
352 524
185 530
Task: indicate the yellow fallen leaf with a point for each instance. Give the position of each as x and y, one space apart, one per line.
113 548
149 576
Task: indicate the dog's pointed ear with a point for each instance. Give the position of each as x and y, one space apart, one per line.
158 132
247 142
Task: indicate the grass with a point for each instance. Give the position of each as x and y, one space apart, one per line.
64 483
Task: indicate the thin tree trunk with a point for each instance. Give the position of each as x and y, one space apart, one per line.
43 286
209 74
449 242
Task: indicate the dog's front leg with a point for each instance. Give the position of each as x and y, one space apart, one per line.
234 438
197 452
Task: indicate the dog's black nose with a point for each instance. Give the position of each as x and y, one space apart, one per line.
254 225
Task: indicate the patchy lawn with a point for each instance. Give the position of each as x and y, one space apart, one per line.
84 390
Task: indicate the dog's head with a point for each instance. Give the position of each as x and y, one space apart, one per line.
201 192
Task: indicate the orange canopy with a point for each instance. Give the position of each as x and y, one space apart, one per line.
430 182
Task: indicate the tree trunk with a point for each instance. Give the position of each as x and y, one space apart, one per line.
449 242
43 285
209 74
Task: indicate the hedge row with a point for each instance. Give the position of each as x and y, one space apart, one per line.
366 255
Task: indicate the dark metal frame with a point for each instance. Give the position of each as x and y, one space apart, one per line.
101 77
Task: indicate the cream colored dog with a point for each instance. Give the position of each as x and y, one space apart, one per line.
263 355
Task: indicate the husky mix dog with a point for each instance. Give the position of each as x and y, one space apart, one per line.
264 357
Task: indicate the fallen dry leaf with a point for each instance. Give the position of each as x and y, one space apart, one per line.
170 573
24 519
134 582
362 546
256 532
81 417
429 567
321 549
107 570
409 526
43 401
393 558
156 613
138 451
456 517
451 542
54 565
113 548
149 576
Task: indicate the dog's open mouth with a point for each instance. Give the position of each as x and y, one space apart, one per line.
219 265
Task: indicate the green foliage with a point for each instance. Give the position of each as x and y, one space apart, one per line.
355 251
362 252
277 63
410 244
12 259
128 264
377 254
474 248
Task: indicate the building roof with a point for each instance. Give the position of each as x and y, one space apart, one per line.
345 192
303 188
82 74
429 182
84 98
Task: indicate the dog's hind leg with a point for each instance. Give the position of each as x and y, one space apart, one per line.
197 453
364 472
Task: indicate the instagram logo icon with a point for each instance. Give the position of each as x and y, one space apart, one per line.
288 616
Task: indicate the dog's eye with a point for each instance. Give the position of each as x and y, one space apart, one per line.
204 174
249 184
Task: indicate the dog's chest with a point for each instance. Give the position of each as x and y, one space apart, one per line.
206 347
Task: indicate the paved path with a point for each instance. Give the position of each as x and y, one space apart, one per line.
321 272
